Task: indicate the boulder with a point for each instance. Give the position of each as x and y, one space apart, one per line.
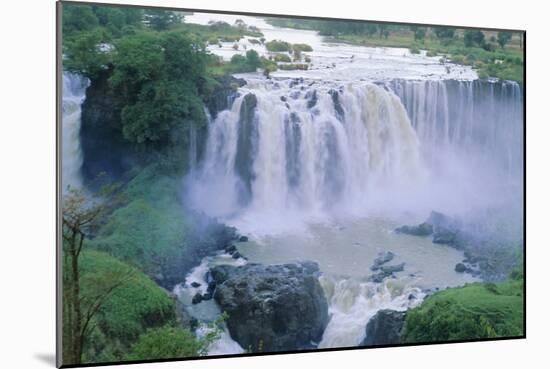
423 229
460 268
383 258
386 271
384 328
243 239
273 307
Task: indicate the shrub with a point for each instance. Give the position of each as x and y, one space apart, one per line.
282 58
277 46
165 343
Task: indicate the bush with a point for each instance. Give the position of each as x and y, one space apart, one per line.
277 46
282 58
301 47
295 66
165 343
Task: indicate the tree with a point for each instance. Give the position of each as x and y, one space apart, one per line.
503 38
253 59
419 33
161 20
473 38
157 79
78 18
444 33
81 217
88 53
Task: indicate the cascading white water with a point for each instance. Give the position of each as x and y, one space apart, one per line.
475 119
353 303
290 153
74 93
295 147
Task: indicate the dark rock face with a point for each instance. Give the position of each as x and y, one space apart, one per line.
312 99
337 104
207 237
223 95
384 328
272 308
243 239
246 147
105 151
423 229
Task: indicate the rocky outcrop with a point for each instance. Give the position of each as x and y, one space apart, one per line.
384 328
423 229
223 94
206 237
106 154
248 136
274 307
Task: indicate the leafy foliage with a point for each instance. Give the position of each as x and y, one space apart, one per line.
165 343
157 80
278 46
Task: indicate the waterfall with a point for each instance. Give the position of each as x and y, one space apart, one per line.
479 120
74 93
294 146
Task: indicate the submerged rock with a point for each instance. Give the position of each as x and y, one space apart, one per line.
384 328
243 239
273 307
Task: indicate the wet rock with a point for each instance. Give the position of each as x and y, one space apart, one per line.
386 271
383 258
393 268
273 307
197 299
384 328
230 249
243 239
195 284
236 255
223 94
460 268
312 99
423 229
337 104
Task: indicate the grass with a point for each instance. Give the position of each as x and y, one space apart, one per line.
475 311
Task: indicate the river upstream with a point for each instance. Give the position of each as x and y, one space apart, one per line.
332 159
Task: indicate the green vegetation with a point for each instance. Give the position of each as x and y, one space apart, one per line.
475 311
293 66
282 58
278 46
301 47
133 307
466 47
149 229
165 343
